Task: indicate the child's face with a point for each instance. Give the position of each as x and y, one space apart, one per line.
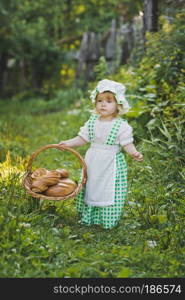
106 104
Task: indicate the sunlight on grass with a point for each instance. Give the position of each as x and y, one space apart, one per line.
7 168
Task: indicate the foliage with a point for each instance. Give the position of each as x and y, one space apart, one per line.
155 88
164 64
38 40
101 69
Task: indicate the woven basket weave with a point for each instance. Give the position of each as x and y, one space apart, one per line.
27 180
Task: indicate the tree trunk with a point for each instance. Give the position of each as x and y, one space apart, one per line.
22 81
3 68
88 55
150 17
110 46
128 42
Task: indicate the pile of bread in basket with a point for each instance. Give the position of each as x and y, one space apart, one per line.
54 183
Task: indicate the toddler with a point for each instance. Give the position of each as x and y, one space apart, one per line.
101 201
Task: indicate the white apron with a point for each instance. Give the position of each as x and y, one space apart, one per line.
101 174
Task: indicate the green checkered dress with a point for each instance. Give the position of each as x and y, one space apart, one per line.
107 216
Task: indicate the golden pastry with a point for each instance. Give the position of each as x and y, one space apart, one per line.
41 184
64 173
65 187
39 173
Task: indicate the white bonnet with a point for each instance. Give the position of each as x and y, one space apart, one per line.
116 88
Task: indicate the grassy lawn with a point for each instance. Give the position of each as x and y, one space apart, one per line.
45 238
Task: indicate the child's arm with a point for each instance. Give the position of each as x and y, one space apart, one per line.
131 149
75 142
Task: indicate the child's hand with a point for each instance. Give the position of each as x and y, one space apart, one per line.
137 156
62 144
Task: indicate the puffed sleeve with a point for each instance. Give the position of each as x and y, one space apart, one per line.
84 132
125 136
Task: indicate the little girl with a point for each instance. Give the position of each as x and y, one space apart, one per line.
101 201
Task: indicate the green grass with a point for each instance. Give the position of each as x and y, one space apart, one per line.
45 238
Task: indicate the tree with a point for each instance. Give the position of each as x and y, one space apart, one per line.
150 17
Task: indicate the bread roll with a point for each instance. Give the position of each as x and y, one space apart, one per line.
65 187
39 172
64 173
41 184
42 172
53 173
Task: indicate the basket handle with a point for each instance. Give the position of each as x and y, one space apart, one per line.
61 148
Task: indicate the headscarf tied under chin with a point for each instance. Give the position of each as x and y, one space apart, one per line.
116 88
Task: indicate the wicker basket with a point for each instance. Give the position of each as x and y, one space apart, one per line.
27 176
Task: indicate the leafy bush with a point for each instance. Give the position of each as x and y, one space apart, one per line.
161 72
156 88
